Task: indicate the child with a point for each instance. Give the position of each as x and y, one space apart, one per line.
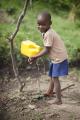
54 47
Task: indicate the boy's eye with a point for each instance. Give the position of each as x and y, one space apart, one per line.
40 26
41 23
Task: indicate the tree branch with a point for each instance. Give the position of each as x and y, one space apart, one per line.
11 38
19 20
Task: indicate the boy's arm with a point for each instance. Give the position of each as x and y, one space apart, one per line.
42 53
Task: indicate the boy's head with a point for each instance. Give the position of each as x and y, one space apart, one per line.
44 21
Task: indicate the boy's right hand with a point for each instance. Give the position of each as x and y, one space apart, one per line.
31 60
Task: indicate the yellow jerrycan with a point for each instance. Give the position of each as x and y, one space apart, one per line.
29 48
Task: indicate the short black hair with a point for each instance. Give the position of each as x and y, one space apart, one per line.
46 15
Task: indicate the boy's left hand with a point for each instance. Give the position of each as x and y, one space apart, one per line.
32 59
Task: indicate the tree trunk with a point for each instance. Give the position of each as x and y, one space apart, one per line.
72 14
30 3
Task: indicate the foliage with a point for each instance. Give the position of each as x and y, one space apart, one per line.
4 53
73 6
11 10
68 31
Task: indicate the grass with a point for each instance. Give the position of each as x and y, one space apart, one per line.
68 30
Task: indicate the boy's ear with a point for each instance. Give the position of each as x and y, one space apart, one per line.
50 22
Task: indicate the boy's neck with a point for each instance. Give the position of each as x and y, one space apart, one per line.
43 33
46 30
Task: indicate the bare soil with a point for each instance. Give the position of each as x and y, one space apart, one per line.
28 105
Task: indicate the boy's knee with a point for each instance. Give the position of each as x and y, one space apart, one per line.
55 79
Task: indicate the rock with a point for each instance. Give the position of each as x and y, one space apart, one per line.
28 68
31 106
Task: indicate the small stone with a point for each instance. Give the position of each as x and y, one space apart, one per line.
28 68
31 106
23 98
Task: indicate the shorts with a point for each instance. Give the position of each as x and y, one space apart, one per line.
58 69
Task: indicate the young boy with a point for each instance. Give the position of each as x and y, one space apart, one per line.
54 47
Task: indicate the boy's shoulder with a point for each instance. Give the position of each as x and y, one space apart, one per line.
50 32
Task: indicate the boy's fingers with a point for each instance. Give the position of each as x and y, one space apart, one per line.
30 60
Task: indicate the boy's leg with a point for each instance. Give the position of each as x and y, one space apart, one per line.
57 90
50 89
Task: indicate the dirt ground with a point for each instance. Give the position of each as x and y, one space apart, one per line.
25 106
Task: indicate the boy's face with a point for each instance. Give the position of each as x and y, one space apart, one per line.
43 24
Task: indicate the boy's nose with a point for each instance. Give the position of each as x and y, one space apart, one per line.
40 26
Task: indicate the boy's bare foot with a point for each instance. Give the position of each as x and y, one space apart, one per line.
49 94
58 102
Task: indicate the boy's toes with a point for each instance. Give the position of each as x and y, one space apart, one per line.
57 102
48 95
